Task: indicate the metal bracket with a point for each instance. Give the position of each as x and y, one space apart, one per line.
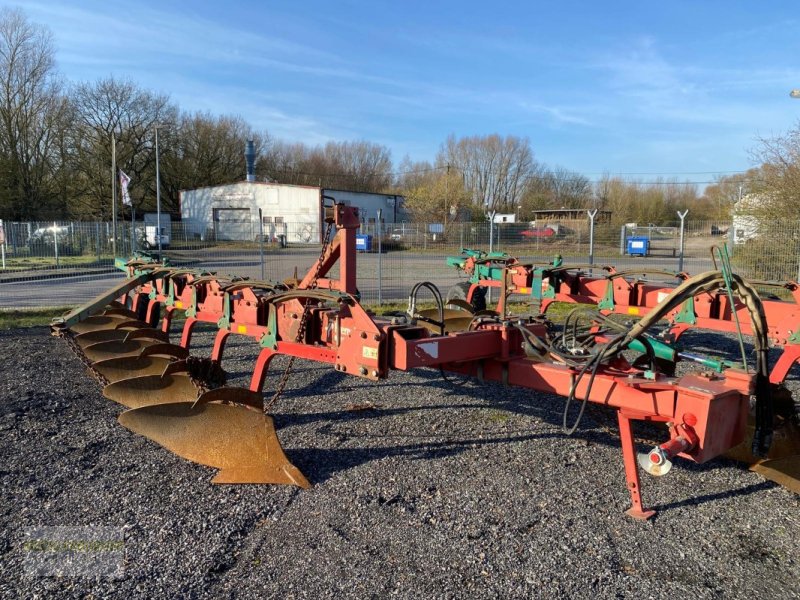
687 313
607 303
537 285
225 320
191 310
270 338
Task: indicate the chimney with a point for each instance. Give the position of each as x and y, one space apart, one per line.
250 157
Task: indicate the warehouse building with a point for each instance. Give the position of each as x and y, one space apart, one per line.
252 210
249 209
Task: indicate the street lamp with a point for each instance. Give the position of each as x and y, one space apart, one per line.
158 191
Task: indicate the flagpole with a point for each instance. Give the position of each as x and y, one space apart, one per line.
124 182
114 193
133 226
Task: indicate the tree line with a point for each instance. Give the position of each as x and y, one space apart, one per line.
56 141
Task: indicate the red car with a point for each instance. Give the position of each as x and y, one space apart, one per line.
538 232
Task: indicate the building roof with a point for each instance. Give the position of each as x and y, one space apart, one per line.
288 185
569 213
245 182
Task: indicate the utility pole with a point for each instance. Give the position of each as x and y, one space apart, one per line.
446 197
114 194
158 198
158 193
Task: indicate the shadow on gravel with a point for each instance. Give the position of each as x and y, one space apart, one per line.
320 464
705 498
380 412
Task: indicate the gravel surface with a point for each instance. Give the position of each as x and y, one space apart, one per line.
439 492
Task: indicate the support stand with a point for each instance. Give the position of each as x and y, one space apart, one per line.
631 469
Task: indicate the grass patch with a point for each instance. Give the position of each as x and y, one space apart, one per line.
36 263
35 317
498 416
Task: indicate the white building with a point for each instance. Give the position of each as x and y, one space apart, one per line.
248 209
505 218
745 224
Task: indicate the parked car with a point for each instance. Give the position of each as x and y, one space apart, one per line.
47 235
538 232
42 242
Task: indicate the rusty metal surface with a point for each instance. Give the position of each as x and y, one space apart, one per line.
117 348
147 390
98 322
239 441
85 340
783 461
783 471
100 335
116 369
235 395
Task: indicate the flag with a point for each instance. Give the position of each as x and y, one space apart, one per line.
124 180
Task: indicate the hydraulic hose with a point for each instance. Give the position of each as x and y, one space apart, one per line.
437 296
705 282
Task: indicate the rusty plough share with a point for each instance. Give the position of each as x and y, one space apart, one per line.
180 401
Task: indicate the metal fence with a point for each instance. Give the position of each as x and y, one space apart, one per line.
63 264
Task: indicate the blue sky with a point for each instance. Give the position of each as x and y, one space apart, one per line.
625 87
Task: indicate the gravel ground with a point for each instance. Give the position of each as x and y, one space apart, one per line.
440 492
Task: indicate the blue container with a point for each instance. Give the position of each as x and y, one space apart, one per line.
638 246
363 243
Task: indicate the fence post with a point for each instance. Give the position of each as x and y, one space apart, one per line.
798 270
622 240
491 248
55 241
3 243
133 229
592 213
380 259
681 216
260 242
97 240
798 266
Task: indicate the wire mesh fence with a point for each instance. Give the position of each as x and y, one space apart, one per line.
65 263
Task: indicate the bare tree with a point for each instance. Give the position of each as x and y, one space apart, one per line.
568 189
723 195
778 184
360 166
364 166
285 162
131 113
206 150
32 110
433 194
495 169
649 202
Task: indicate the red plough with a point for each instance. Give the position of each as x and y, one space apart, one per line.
185 408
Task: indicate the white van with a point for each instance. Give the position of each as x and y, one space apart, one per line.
150 230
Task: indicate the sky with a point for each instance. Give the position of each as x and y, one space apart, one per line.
680 89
